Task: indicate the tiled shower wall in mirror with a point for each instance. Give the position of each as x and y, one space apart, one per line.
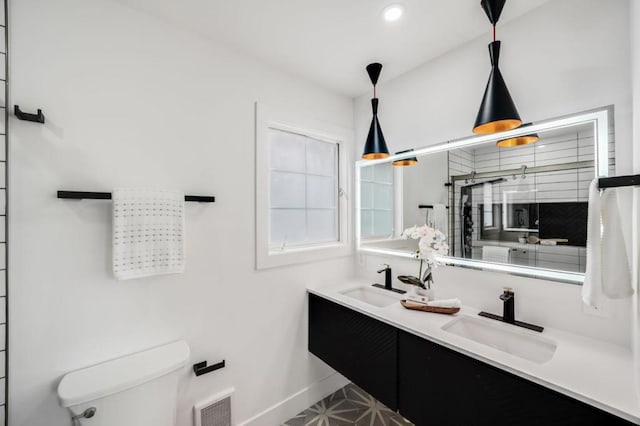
545 190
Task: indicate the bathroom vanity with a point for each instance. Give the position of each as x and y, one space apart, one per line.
430 368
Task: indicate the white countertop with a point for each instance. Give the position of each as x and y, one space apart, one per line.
596 372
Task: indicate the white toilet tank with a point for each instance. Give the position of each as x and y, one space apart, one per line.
135 390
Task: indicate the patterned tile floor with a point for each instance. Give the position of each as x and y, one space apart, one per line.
349 406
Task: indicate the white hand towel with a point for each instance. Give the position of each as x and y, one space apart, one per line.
616 273
592 286
445 303
496 254
148 233
440 221
608 272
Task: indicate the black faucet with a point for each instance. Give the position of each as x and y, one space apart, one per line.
388 280
509 312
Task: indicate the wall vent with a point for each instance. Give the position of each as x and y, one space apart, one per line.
215 411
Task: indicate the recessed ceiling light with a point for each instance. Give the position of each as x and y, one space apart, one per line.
393 12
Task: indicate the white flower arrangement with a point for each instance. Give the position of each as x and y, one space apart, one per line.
432 242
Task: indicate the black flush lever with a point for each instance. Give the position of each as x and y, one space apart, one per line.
201 367
36 118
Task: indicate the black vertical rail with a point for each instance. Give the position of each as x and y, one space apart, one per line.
6 211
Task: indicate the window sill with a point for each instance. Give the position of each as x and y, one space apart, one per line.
296 255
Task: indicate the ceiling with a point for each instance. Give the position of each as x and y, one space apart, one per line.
329 42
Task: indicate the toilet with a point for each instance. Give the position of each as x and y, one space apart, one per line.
136 390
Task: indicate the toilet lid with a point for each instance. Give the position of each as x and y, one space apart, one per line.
107 378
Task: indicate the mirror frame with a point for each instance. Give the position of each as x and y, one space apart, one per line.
599 118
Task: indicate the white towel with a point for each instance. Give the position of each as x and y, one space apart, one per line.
445 303
148 233
616 273
608 272
592 286
440 220
496 254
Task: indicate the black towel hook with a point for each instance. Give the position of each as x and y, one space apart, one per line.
36 118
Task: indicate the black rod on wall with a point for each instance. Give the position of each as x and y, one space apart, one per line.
619 181
81 195
427 206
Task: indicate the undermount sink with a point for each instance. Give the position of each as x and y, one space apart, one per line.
371 296
503 337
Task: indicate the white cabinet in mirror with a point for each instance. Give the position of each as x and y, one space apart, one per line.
520 209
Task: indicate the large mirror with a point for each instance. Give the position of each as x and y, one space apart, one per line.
519 209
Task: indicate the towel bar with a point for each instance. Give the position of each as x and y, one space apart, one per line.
427 206
618 181
80 195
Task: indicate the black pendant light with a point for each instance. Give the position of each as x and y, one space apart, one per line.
375 148
407 161
497 111
518 140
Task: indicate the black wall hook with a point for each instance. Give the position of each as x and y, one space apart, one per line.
201 367
36 118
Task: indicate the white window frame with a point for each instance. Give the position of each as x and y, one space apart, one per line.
268 256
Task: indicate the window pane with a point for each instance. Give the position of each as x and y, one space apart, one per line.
382 223
321 157
286 151
287 190
383 197
287 225
321 225
303 189
366 173
321 192
366 223
366 195
383 173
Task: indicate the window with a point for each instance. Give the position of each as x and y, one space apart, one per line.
376 208
303 190
302 187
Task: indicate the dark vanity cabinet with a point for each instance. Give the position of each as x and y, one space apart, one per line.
360 348
433 385
439 386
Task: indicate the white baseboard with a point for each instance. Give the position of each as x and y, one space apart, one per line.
299 401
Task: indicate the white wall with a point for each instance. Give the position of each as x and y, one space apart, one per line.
423 183
132 101
565 57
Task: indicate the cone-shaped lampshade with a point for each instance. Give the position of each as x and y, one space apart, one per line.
493 9
375 148
374 70
497 112
407 161
518 141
